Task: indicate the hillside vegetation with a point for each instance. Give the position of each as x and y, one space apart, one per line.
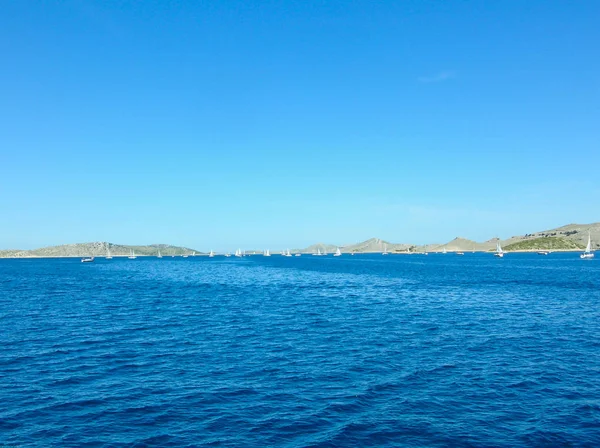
545 243
98 249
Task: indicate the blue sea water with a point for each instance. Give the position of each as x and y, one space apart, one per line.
403 350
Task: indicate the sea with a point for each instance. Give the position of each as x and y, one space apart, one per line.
351 351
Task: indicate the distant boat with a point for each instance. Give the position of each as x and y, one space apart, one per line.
460 253
108 255
267 253
87 260
298 255
211 254
444 251
238 253
132 255
287 253
159 255
588 249
227 255
338 253
543 252
385 252
499 252
318 254
324 253
185 255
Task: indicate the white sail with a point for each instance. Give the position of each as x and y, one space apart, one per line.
499 252
267 253
159 255
108 255
211 254
338 252
588 248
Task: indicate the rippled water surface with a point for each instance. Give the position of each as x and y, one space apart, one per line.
313 351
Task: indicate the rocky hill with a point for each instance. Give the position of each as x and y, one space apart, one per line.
545 243
569 237
377 245
459 244
98 249
324 248
574 233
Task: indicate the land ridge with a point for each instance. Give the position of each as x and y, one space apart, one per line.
570 237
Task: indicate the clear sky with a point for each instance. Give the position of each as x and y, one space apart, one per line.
283 123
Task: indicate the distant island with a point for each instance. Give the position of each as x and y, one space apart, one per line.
99 250
572 237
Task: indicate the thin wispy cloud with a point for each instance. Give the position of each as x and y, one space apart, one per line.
438 77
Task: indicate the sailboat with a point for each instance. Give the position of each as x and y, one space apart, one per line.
298 255
132 255
385 252
211 254
444 251
159 254
318 254
238 253
287 253
87 260
108 255
227 255
185 255
499 252
267 253
338 253
588 249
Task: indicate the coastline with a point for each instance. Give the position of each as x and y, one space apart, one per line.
26 257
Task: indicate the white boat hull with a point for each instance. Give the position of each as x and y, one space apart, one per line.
499 255
588 256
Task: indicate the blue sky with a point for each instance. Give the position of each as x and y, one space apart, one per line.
280 123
